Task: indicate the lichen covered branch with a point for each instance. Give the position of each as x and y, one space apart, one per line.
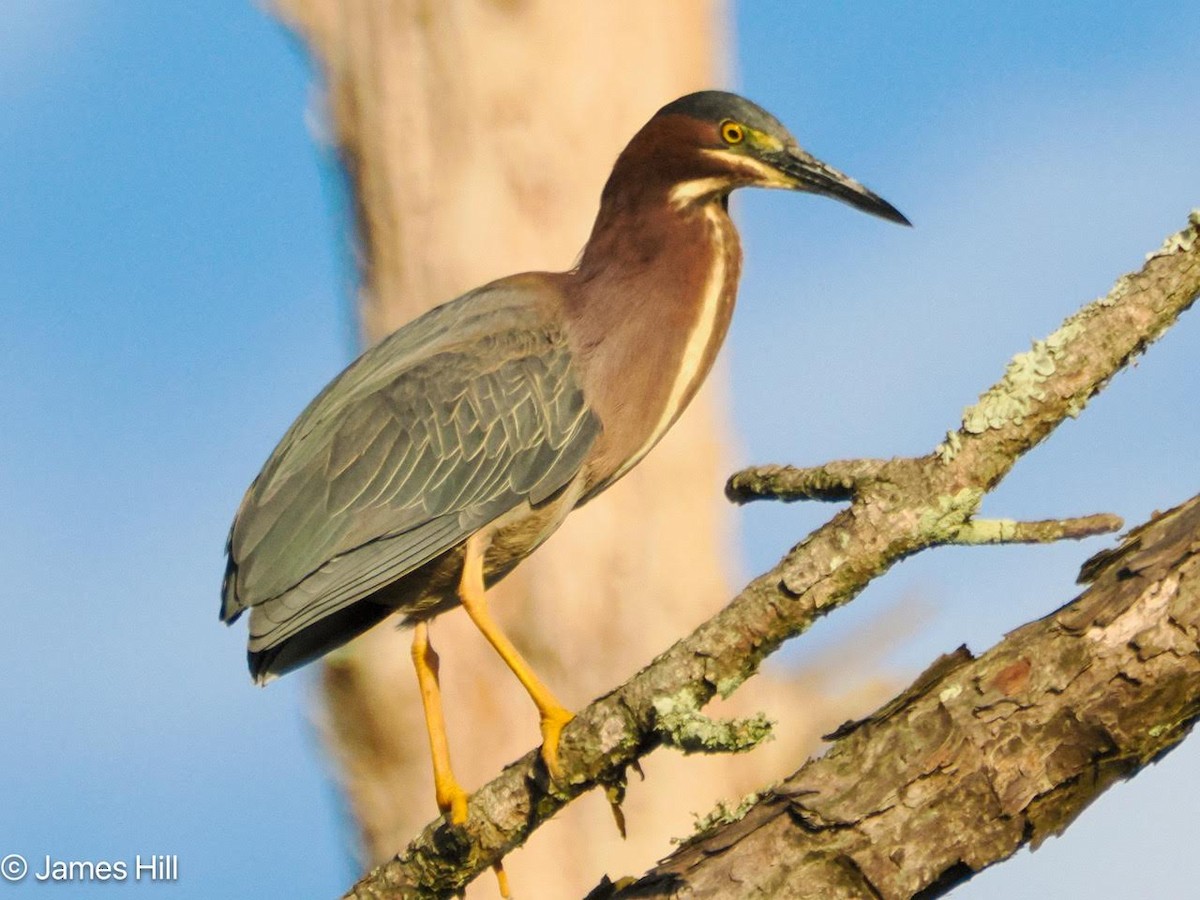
686 728
980 756
833 482
1008 531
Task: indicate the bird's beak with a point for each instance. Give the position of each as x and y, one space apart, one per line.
807 173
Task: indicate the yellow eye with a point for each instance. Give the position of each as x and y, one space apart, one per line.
732 132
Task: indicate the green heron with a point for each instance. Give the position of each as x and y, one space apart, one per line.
450 451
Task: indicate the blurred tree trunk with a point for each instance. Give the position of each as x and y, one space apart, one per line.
476 137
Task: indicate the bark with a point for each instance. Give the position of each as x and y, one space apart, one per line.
475 137
980 756
897 508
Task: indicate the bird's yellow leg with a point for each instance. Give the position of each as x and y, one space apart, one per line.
471 592
451 798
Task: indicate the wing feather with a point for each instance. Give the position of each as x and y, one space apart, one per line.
440 429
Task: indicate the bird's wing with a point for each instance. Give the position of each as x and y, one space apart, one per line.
438 430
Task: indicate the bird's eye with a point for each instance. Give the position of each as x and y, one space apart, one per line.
732 132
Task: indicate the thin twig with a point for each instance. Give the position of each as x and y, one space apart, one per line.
1007 531
833 482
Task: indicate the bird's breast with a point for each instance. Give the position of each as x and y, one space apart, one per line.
650 365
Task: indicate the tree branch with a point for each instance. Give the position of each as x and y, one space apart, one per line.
904 506
978 532
980 756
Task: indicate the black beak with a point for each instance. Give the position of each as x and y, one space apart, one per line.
807 173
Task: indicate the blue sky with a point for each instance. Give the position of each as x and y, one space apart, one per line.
173 289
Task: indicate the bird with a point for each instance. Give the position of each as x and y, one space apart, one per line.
451 450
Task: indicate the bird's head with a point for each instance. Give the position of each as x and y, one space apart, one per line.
704 145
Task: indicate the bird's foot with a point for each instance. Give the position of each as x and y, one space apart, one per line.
451 800
554 720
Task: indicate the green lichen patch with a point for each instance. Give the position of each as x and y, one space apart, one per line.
680 724
724 813
948 449
726 686
1181 241
947 512
1020 390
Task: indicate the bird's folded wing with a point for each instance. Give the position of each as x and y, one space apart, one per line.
454 420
